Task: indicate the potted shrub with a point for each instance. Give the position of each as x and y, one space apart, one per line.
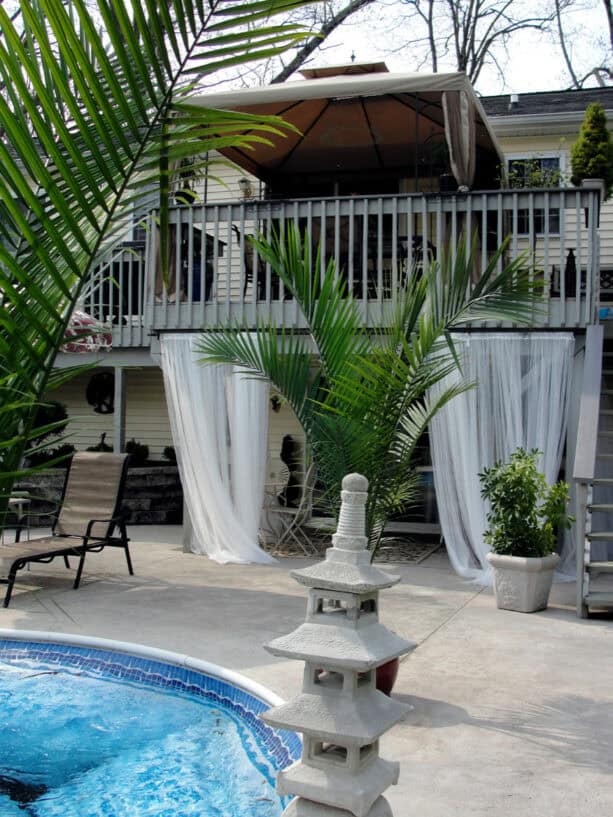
525 514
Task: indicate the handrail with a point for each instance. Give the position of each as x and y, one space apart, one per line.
587 430
377 242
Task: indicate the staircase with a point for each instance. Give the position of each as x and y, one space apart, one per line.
595 482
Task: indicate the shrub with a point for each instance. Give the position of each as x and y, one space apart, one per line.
139 452
62 453
51 421
592 154
170 454
525 512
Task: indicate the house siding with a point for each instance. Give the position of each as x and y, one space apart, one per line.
561 145
147 417
146 413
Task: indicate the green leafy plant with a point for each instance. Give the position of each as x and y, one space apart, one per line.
363 397
530 173
525 513
95 108
57 457
139 453
591 155
170 454
50 422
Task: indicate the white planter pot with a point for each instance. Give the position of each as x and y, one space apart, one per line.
521 583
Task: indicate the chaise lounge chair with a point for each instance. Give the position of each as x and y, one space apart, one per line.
88 515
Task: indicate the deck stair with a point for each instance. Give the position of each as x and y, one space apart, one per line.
595 485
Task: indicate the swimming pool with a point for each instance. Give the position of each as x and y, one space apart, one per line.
95 732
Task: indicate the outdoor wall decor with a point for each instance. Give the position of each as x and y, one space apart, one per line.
339 711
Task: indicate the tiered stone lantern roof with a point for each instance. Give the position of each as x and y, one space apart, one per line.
340 712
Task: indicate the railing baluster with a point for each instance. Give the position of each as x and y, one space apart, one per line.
425 233
203 263
228 264
546 265
562 263
499 228
373 238
350 248
215 285
579 258
484 200
379 292
189 212
392 293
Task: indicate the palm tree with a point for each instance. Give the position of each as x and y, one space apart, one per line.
94 108
364 398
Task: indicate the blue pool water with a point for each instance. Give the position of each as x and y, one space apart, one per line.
92 733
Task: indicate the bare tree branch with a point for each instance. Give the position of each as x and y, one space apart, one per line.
473 30
314 42
609 12
562 41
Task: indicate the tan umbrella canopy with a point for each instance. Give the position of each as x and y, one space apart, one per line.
369 122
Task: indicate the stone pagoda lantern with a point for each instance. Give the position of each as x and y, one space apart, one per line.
339 712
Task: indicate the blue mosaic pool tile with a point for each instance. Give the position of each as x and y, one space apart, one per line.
279 746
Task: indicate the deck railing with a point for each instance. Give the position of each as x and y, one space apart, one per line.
376 241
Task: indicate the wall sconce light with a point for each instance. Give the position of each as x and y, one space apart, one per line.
245 188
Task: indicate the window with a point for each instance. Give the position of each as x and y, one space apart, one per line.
534 172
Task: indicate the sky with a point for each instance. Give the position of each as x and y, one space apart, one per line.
534 61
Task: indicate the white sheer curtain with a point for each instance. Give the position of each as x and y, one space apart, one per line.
219 423
521 399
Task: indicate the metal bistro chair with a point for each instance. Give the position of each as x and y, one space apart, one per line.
294 520
89 513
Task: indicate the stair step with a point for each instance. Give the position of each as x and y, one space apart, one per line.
600 536
599 599
602 481
605 432
606 391
600 507
600 567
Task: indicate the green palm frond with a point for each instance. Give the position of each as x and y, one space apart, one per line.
94 107
373 396
279 356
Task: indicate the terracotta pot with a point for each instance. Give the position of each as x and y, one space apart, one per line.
386 676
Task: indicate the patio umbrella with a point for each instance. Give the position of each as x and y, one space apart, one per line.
89 334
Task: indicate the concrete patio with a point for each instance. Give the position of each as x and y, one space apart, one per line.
512 714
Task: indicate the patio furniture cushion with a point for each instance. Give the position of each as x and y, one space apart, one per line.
87 520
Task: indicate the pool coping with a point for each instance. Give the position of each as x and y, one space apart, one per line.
264 694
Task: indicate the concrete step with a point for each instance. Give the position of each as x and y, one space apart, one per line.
602 481
599 567
600 536
599 599
600 507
